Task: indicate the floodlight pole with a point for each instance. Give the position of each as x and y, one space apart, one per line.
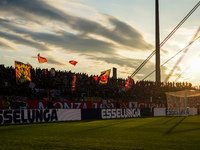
157 44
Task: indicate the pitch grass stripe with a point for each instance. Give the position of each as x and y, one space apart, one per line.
132 133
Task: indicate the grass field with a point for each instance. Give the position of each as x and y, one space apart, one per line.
136 133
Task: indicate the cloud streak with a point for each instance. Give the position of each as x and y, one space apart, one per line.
42 26
5 46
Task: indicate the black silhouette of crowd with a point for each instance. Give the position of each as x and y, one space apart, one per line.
86 86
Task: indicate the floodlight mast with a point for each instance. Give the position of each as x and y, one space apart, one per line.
163 42
157 44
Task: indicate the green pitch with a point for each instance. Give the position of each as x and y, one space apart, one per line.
157 133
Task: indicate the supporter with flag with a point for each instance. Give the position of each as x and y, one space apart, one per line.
74 83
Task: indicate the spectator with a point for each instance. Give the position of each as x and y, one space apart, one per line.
86 86
50 104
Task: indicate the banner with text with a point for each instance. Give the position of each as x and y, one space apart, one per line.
38 115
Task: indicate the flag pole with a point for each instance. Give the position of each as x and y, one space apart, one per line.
71 68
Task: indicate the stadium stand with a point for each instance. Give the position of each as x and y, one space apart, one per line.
60 87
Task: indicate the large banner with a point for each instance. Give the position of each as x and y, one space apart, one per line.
147 105
42 104
22 72
104 77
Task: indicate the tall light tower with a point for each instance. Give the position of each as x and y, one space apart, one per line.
157 43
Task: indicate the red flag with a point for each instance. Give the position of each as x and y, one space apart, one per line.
73 62
96 78
41 59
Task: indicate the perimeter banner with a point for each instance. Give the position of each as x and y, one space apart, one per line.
38 115
60 104
42 104
120 113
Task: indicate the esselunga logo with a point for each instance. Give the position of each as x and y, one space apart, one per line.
28 116
120 113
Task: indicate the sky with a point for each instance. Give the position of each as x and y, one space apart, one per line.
100 35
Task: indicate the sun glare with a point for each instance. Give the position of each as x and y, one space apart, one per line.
195 66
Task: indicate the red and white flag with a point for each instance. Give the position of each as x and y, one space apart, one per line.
41 59
129 83
73 62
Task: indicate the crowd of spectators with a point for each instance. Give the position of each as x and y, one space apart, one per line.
86 86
